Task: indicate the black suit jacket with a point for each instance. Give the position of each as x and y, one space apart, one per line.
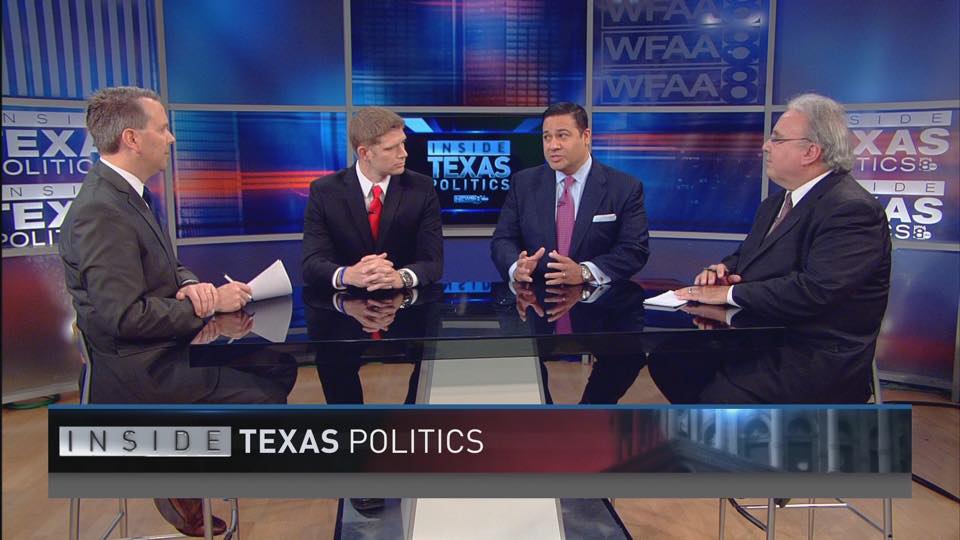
826 266
336 230
120 269
528 221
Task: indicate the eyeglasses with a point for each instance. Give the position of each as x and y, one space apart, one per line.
773 139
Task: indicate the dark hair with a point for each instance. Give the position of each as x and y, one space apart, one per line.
566 107
112 110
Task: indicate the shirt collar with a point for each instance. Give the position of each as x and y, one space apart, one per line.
131 179
366 184
580 175
798 193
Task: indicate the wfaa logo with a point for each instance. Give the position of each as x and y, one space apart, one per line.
904 158
45 157
470 169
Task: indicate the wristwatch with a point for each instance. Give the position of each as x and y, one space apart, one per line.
407 299
407 278
586 274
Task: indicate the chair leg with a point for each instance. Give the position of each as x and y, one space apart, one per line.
122 503
723 518
233 531
771 518
207 520
888 519
810 519
74 519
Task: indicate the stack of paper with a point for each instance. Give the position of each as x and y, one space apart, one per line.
667 300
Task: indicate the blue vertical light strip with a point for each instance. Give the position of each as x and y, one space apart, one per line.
146 51
52 55
68 68
99 48
115 54
83 40
130 65
33 44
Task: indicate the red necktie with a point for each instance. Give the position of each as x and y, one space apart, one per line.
373 214
566 216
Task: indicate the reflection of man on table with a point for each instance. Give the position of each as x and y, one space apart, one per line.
818 254
617 307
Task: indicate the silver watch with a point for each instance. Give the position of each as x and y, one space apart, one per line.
407 278
586 274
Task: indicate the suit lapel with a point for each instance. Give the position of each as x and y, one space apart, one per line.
547 207
354 199
390 205
590 200
139 206
762 241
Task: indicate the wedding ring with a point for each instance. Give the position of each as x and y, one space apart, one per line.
563 275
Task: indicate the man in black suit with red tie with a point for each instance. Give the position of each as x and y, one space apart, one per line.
818 255
374 225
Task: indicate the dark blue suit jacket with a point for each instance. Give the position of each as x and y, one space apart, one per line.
528 221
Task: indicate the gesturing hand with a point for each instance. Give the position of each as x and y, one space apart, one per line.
566 271
527 265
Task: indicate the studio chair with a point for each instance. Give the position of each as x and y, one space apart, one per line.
119 522
885 528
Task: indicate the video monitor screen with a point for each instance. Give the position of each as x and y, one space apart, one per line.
701 172
471 158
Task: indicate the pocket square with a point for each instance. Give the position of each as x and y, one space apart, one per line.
604 218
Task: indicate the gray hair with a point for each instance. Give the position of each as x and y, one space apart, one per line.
827 128
112 110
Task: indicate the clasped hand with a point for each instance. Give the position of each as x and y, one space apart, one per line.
232 325
374 314
373 272
208 299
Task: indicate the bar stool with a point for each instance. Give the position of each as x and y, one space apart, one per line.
886 528
120 518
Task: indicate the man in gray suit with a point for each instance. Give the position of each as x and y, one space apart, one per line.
132 296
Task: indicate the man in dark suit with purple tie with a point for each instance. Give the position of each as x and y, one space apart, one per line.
573 220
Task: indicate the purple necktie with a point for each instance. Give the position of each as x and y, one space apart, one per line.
566 215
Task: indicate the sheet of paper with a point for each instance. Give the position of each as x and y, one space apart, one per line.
271 283
271 318
667 300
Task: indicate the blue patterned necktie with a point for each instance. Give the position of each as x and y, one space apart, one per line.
152 205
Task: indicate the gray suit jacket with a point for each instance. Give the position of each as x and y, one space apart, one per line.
120 269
